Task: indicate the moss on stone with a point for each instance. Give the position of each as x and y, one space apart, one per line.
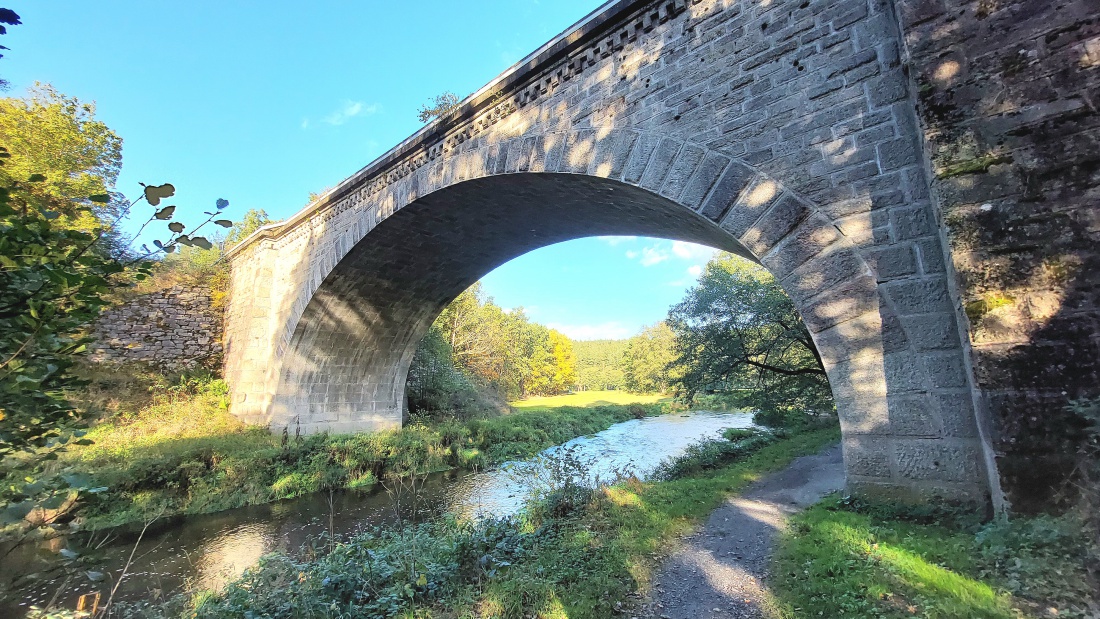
977 165
978 308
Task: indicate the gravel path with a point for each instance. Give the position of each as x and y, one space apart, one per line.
719 572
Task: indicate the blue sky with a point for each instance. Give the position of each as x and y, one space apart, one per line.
264 102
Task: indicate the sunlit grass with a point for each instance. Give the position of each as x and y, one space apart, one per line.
589 398
844 564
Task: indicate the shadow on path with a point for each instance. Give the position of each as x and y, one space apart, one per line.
719 571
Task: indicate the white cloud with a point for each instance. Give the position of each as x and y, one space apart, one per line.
653 255
349 110
631 254
305 123
603 331
695 270
691 251
616 240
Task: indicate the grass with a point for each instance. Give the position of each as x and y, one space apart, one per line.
589 398
848 560
567 559
179 451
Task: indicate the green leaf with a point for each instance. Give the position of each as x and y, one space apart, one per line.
168 249
100 198
200 241
175 226
165 213
15 512
222 203
225 223
36 178
155 193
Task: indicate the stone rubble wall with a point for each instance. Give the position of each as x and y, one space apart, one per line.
173 329
1008 97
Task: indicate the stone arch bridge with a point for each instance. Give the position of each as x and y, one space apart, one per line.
785 131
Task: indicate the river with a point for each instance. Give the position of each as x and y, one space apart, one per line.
205 551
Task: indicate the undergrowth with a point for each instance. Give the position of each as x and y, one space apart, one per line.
847 558
578 553
179 451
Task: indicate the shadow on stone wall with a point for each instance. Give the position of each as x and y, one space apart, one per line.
1008 103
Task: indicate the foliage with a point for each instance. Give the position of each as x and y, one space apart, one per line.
599 364
58 266
737 330
579 553
714 453
60 138
439 106
251 221
50 287
648 359
852 558
504 350
181 450
436 388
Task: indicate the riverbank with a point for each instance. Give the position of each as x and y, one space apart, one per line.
173 448
584 554
577 554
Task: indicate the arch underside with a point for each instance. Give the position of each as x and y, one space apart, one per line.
346 364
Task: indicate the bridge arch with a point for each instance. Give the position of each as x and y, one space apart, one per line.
665 119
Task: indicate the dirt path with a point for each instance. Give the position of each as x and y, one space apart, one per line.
719 571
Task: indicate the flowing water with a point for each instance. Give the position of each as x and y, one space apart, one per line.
204 552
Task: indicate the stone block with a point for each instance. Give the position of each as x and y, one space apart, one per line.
930 459
726 191
770 228
867 457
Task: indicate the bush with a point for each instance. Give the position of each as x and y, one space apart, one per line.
714 453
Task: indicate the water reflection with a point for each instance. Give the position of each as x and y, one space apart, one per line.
204 552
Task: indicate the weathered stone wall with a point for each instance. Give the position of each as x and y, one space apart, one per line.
175 328
1008 96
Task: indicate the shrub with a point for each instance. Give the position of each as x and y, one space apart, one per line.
712 453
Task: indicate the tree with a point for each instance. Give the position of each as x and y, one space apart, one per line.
504 349
737 330
439 106
59 137
251 221
599 364
565 363
57 270
649 359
